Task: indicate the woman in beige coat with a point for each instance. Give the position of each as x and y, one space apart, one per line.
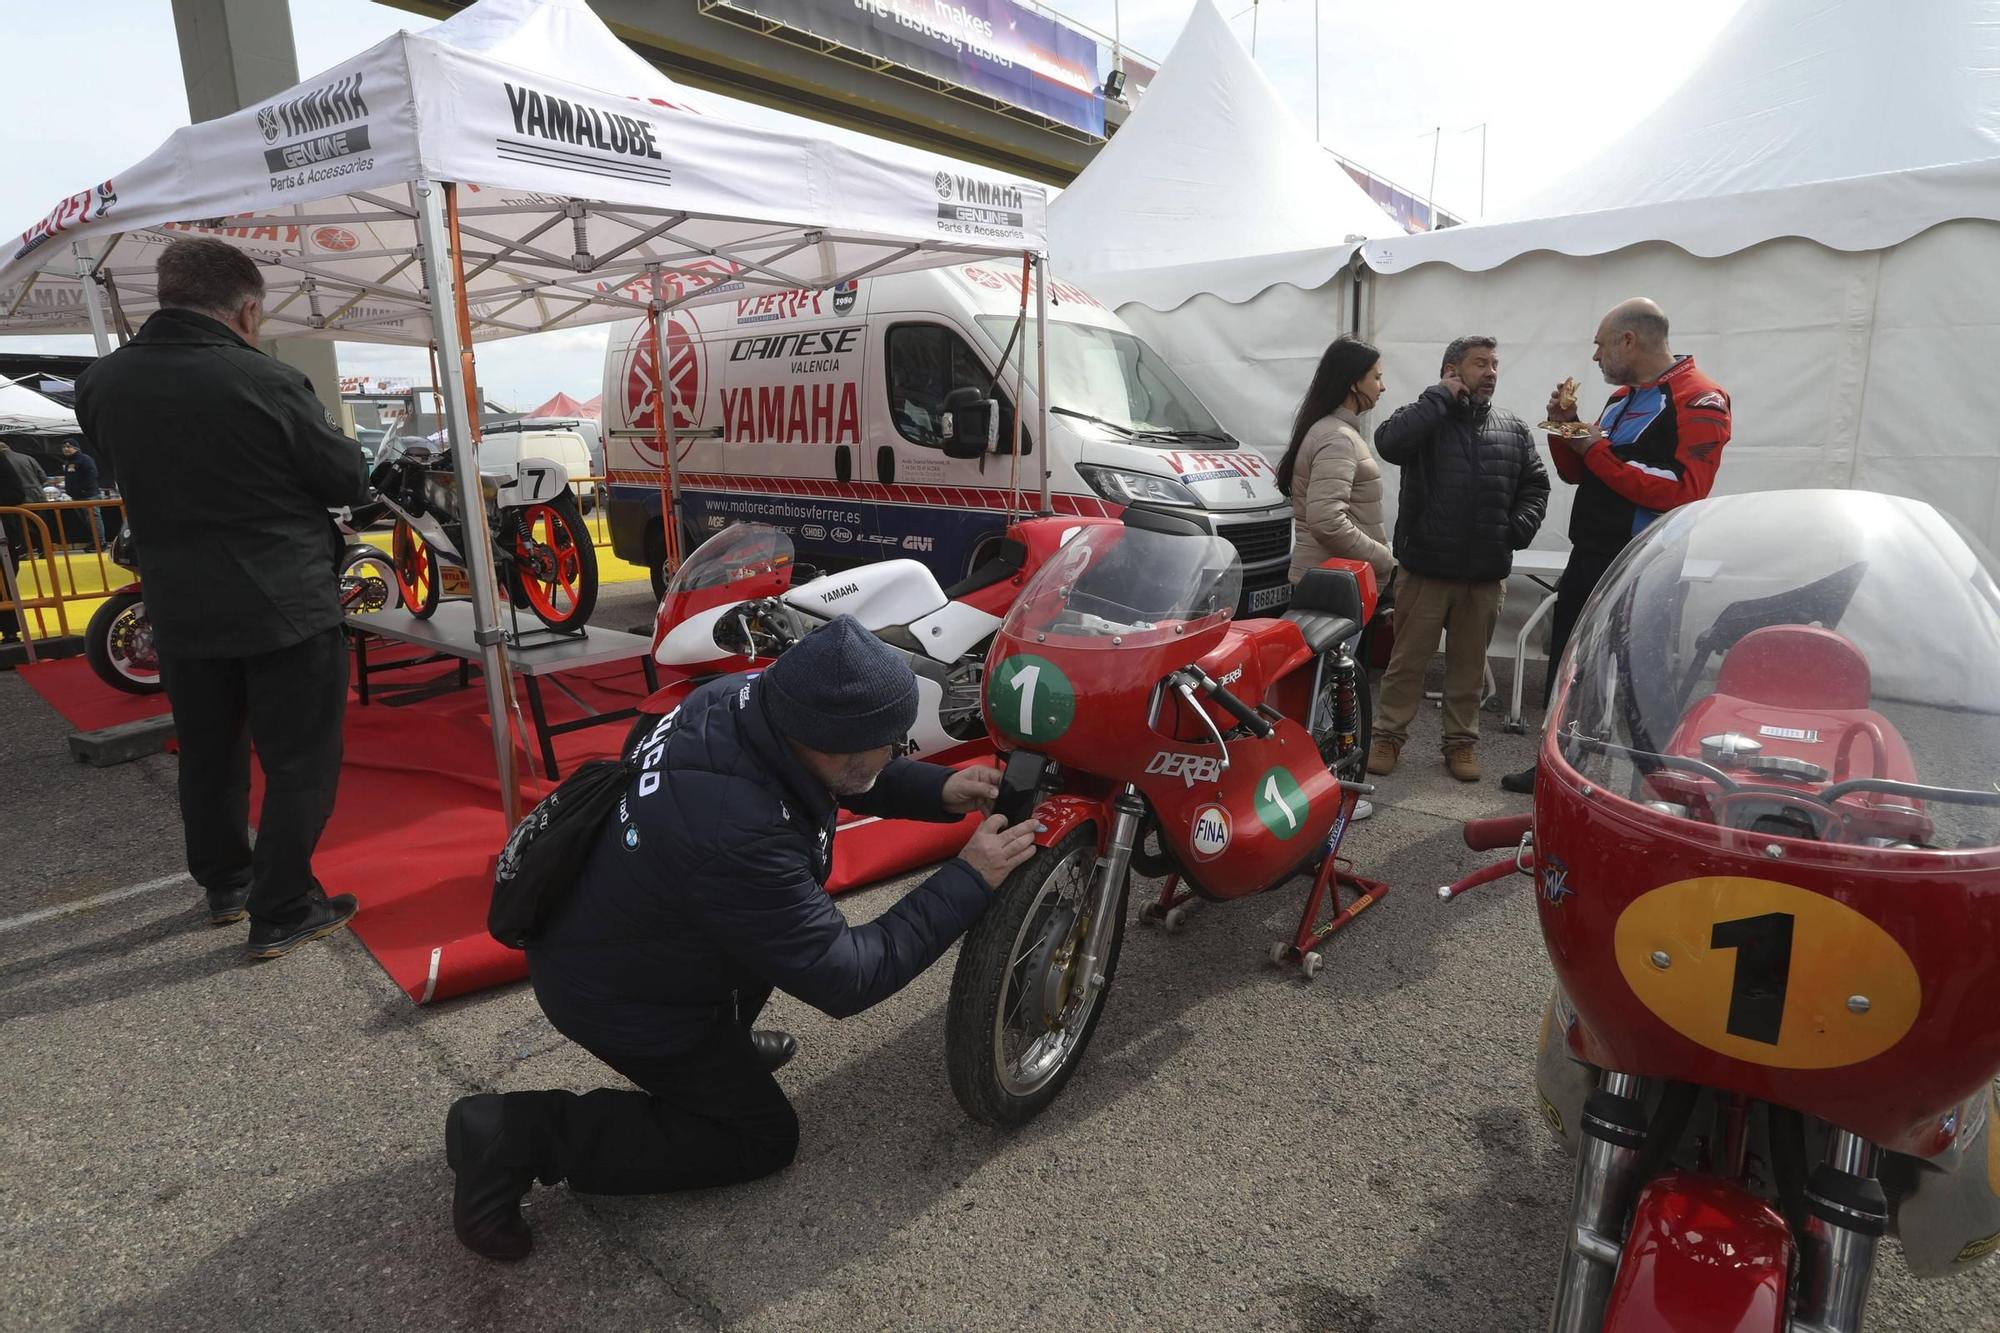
1333 478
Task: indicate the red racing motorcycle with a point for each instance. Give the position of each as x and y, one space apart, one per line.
1148 730
1766 843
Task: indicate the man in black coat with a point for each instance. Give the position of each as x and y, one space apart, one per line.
228 465
704 893
1473 492
80 482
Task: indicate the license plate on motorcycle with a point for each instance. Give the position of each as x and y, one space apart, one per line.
1264 599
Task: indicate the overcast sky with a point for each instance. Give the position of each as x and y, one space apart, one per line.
1553 81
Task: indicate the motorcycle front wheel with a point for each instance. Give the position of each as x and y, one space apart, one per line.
1019 1020
416 566
119 645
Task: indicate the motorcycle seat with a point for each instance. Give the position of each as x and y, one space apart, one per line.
1323 632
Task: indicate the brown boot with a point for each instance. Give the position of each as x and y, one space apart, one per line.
1462 762
1382 757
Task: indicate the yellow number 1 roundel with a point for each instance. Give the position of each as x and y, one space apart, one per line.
1768 973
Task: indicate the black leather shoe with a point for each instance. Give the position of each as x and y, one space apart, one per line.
323 918
486 1200
774 1049
1522 782
228 906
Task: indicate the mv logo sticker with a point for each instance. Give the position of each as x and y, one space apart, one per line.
686 371
1189 768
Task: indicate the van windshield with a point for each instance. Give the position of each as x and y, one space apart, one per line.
1114 379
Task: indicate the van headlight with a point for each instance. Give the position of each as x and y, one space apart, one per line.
1128 488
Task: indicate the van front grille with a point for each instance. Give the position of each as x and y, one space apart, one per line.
1259 543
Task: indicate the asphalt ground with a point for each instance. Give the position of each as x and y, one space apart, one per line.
195 1142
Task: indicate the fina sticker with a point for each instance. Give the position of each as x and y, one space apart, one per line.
1211 832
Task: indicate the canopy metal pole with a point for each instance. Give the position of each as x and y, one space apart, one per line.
1042 374
448 310
663 431
92 299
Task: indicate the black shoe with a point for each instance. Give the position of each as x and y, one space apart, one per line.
774 1049
1522 782
486 1200
228 906
325 916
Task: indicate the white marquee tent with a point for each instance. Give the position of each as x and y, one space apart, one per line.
25 412
513 169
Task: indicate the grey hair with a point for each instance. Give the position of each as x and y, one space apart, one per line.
1460 346
1647 327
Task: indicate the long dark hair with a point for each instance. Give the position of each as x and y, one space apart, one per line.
1345 361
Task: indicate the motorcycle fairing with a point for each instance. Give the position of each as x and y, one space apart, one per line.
1703 1256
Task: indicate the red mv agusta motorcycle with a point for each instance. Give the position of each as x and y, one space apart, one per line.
1148 730
1767 850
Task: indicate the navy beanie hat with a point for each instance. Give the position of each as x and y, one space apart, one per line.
840 690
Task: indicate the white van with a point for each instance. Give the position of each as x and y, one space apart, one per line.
822 413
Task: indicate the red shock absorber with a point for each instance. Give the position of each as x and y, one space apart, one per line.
1346 709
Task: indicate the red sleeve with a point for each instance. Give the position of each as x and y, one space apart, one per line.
1701 421
1569 463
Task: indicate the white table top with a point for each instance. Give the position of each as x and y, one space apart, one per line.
1549 563
449 631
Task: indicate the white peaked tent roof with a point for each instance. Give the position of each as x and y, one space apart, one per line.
1853 123
540 112
1210 186
25 412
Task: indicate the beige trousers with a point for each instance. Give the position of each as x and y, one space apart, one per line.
1426 608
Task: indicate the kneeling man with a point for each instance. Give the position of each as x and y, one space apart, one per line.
705 891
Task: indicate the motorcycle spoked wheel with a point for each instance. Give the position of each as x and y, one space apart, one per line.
416 568
119 645
553 567
1014 1029
362 562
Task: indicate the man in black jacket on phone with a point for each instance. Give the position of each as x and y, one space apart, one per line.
228 465
1473 492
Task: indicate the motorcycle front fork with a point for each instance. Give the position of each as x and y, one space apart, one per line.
1847 1213
1107 890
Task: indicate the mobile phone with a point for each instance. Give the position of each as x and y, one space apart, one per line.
1020 785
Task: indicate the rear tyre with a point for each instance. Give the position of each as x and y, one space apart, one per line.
364 562
118 644
416 566
554 565
1007 1060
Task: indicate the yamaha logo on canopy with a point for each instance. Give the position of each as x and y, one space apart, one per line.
319 124
980 207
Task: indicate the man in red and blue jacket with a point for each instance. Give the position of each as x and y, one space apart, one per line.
1656 446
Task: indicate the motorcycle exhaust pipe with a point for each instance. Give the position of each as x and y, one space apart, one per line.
1846 1214
1607 1183
1128 812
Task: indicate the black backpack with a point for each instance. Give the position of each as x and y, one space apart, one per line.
539 866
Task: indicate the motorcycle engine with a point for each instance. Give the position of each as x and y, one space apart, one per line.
959 713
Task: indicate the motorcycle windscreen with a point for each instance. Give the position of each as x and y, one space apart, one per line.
742 562
1818 665
1115 587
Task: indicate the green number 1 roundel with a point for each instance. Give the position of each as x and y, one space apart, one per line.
1281 803
1030 699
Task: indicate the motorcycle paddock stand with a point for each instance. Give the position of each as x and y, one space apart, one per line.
1303 948
1173 907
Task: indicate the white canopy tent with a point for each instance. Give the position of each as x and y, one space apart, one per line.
25 412
511 170
1220 230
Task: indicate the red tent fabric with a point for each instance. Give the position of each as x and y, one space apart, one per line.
562 405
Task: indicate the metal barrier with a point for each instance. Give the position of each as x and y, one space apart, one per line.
600 528
51 575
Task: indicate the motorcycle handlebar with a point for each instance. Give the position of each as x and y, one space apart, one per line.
1487 835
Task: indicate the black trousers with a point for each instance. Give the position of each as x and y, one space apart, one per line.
289 704
1579 580
710 1116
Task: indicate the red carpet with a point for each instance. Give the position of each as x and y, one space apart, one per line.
418 821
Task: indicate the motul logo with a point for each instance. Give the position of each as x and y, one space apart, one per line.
1189 768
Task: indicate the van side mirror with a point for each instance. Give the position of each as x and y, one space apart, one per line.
969 424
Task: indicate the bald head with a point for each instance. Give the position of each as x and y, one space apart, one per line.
1632 342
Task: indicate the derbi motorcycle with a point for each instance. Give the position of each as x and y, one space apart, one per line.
1766 843
118 642
741 599
1148 730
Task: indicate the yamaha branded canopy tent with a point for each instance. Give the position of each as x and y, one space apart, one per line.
511 170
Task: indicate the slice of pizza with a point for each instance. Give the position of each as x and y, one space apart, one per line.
1566 395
